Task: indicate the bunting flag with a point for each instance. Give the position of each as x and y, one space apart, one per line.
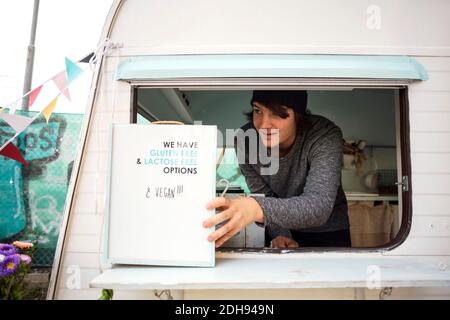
47 112
11 151
18 123
60 81
33 95
72 70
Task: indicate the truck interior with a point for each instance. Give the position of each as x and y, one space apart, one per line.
370 119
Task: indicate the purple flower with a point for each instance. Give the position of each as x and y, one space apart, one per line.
25 259
9 265
7 249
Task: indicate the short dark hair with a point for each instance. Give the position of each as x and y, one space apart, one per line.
302 119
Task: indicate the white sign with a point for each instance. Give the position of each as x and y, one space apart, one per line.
161 177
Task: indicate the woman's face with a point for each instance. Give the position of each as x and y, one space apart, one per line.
273 129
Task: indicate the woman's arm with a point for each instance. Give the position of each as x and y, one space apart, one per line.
310 209
314 206
256 184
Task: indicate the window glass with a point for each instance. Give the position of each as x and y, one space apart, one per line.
370 163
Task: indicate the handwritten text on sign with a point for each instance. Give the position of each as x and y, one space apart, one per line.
175 157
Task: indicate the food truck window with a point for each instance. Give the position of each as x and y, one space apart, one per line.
375 166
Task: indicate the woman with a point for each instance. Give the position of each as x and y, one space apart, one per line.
304 203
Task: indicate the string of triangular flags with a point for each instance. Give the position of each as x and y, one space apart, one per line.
20 123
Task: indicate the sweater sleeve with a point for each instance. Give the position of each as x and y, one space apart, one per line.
314 206
257 185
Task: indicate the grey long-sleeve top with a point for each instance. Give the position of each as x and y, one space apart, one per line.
306 193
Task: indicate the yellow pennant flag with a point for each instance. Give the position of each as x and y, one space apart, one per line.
47 112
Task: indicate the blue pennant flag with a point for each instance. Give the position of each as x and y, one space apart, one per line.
73 71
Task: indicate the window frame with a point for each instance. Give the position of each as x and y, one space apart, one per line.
402 133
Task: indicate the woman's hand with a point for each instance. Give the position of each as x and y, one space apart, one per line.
239 212
283 242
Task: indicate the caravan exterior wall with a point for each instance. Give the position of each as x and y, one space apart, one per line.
420 29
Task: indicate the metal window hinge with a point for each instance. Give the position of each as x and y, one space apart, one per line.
404 183
115 45
166 292
385 292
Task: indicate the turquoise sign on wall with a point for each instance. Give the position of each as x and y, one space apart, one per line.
32 197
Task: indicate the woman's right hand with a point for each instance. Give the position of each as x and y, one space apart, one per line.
283 242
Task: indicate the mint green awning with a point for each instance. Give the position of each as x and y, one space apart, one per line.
270 66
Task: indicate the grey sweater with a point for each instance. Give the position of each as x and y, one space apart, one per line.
306 193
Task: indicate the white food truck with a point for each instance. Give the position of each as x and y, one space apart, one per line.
378 69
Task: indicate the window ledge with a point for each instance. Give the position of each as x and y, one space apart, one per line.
281 272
